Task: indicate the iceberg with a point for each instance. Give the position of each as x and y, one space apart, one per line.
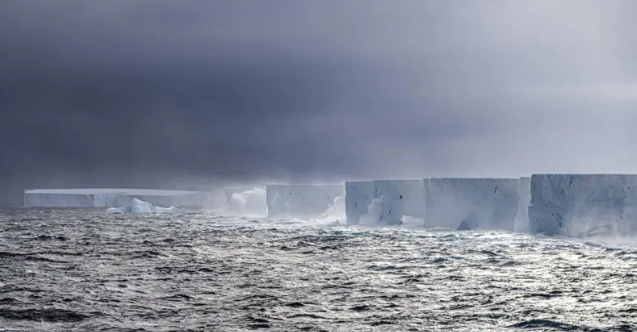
358 196
111 197
471 203
138 206
399 198
410 193
580 205
388 211
383 201
300 200
522 217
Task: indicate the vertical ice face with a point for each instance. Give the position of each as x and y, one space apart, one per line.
391 199
579 204
410 192
301 200
358 196
392 211
108 197
524 193
489 204
400 198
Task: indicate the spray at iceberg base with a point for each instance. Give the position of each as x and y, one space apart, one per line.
249 202
138 206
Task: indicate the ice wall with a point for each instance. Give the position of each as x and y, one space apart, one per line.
489 204
406 197
524 194
109 197
394 199
358 196
301 200
578 204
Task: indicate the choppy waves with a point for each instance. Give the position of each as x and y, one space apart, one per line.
71 270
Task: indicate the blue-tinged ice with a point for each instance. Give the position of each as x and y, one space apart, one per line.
138 206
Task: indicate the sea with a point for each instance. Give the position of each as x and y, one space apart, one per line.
85 270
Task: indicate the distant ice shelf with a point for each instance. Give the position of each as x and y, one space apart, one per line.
138 206
111 197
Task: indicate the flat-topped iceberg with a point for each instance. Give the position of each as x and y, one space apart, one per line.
358 197
582 205
137 206
111 197
383 201
471 203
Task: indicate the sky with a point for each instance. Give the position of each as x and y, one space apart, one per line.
193 94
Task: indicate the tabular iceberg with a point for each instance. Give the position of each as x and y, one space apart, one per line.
524 194
401 198
109 197
358 196
301 200
466 203
383 201
579 204
137 206
385 210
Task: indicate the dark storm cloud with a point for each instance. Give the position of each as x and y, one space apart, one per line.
166 93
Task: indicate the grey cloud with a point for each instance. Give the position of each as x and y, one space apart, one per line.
165 93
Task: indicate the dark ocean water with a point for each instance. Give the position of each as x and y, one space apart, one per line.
83 270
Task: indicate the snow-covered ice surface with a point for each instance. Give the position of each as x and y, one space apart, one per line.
84 270
487 203
301 200
137 206
578 204
112 197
